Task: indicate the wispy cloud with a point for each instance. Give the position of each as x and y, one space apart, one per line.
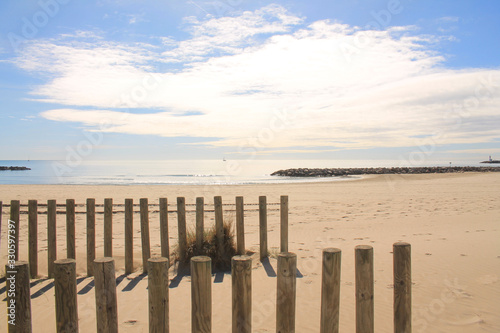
265 79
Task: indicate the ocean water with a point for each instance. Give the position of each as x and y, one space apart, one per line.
175 172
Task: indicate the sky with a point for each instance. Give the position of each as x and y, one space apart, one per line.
404 80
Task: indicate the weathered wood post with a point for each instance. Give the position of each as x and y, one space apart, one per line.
241 277
240 226
17 285
108 227
32 237
70 229
51 236
65 294
14 217
158 295
165 250
200 211
105 295
402 287
129 236
90 236
364 289
286 293
284 222
181 222
219 225
146 250
201 294
330 291
263 226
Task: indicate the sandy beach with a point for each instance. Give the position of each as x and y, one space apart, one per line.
451 220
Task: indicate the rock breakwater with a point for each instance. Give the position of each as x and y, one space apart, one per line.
13 168
332 172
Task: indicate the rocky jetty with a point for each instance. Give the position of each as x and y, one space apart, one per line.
13 168
328 172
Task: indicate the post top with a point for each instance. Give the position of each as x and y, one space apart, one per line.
242 257
158 259
364 247
287 255
201 259
20 263
332 250
402 244
65 261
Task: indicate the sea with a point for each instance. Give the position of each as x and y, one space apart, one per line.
181 172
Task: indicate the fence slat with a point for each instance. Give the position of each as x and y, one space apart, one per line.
108 227
284 222
330 291
14 216
129 236
70 229
364 289
32 237
402 287
165 247
240 226
263 226
90 236
200 211
146 251
18 278
286 293
105 295
241 277
158 295
181 222
51 237
219 225
201 294
65 295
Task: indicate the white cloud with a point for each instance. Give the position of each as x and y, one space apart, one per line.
265 80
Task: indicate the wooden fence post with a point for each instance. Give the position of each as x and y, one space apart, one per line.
51 236
219 225
17 280
90 236
70 229
32 237
263 226
330 291
105 295
241 277
364 289
165 250
14 216
284 222
200 211
181 222
158 295
129 236
240 226
286 293
402 287
201 294
108 227
65 294
146 252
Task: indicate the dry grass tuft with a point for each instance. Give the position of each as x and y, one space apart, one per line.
210 248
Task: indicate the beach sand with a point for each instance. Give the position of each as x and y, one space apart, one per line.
451 220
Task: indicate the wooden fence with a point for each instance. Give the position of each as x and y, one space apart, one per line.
128 208
64 273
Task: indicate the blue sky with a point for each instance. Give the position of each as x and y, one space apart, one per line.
397 79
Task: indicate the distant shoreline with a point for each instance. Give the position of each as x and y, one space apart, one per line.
333 172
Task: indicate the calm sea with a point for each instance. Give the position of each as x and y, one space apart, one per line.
175 172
